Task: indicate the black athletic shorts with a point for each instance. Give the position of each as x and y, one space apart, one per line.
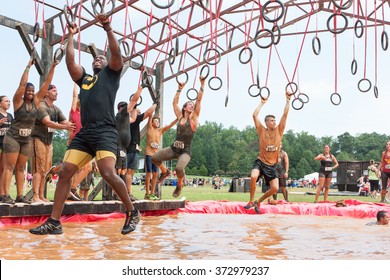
90 140
267 171
121 159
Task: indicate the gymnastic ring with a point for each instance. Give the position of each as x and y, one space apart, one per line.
265 7
140 65
279 34
139 102
384 40
69 16
95 3
231 39
342 29
304 95
161 6
358 26
188 94
59 54
363 80
354 67
172 56
203 69
316 45
217 53
126 48
332 98
250 93
294 104
376 93
147 79
268 92
271 35
291 84
250 55
186 79
36 32
218 79
343 7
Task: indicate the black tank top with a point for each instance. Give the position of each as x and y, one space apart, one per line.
184 135
326 165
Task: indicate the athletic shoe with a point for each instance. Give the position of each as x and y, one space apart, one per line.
257 205
155 197
177 191
164 175
148 196
249 205
49 174
73 197
132 219
74 192
132 198
8 200
51 226
22 199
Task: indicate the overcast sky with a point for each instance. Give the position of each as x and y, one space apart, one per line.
358 112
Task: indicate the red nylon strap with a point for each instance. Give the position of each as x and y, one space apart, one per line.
376 46
281 63
365 41
197 66
303 41
43 19
126 16
383 16
268 66
335 54
353 36
300 51
261 16
79 35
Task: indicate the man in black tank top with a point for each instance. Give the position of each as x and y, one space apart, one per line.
98 136
188 118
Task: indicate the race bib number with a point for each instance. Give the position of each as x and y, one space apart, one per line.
387 166
328 168
50 130
122 153
24 132
138 148
178 144
271 148
154 145
3 131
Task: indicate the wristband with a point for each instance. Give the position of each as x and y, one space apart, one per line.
179 90
107 28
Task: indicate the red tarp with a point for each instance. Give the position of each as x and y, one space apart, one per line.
354 209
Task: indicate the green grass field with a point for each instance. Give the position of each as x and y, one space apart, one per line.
206 192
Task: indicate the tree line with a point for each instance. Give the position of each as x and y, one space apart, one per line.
231 152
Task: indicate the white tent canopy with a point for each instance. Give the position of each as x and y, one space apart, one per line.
310 177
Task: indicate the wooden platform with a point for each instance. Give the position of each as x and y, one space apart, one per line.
86 207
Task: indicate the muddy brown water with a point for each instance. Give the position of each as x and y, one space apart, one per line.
205 237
